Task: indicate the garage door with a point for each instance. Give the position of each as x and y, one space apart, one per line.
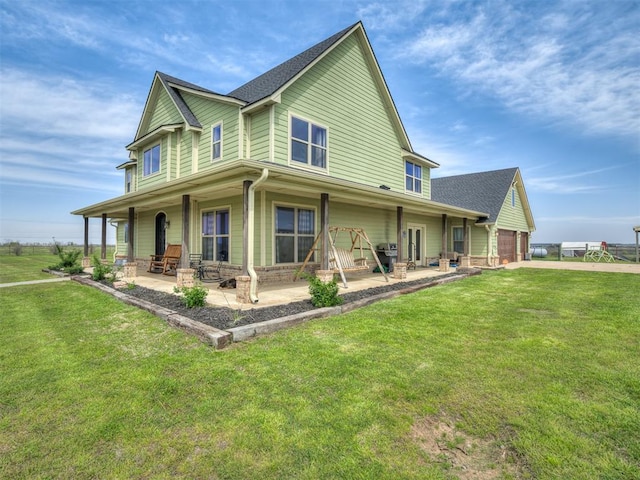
507 245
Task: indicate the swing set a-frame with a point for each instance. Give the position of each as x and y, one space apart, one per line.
342 260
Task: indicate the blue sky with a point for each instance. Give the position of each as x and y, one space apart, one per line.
552 87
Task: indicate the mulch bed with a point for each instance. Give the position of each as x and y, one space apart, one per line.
224 318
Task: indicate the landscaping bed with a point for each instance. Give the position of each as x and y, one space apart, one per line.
224 318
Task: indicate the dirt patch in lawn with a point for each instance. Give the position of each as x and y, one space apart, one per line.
466 457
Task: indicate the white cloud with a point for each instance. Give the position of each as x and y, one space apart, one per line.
557 67
567 184
57 105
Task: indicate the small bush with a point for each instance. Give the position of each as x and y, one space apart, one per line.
100 270
193 296
323 294
68 260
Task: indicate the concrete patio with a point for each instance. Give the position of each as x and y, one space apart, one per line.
282 293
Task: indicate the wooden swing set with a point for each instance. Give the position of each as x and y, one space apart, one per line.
342 260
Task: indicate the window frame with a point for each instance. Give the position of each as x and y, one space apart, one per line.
453 238
215 235
213 142
309 144
513 197
413 178
128 180
144 160
298 256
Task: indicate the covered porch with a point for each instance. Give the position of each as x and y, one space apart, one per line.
287 292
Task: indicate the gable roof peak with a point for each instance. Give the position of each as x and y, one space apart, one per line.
271 81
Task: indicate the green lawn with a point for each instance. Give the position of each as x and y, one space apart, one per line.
25 267
520 373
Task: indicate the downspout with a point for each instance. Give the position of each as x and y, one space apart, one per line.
253 283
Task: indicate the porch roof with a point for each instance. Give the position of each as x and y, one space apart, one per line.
226 180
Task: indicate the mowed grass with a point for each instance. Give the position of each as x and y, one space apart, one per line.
23 268
538 369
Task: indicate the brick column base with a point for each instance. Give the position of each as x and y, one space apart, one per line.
185 278
130 270
324 275
243 283
444 264
465 262
400 271
86 262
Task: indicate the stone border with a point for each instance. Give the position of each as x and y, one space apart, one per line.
220 339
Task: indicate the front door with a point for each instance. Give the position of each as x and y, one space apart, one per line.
416 244
161 232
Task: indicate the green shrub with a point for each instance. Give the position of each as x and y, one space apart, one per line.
68 260
323 294
100 270
193 296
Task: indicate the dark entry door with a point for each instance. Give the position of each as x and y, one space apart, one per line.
161 224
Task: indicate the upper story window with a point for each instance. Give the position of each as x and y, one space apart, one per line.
216 142
295 232
128 180
151 163
513 197
308 143
413 177
215 235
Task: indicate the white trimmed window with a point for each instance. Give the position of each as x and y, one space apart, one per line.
308 143
458 239
413 177
295 232
513 196
128 180
151 163
216 142
215 235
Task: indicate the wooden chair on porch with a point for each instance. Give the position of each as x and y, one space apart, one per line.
168 262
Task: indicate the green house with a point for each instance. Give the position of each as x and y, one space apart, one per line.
253 177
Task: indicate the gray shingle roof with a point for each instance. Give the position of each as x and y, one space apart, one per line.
177 98
483 191
269 82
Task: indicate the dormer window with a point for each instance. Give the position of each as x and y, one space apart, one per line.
308 143
413 177
151 163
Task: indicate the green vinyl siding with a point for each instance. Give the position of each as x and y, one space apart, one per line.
433 237
210 112
340 93
185 153
512 217
260 135
121 244
164 113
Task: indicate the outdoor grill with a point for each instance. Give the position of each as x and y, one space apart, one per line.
387 253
